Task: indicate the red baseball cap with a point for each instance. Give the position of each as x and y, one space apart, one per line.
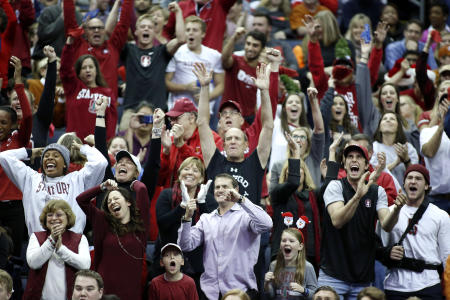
230 103
182 105
360 149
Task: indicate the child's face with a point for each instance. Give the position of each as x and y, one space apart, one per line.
172 260
290 246
4 294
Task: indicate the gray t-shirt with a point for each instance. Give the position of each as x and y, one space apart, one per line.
287 276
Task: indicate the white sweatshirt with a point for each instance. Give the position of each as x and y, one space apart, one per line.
37 189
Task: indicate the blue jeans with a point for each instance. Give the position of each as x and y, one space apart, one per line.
346 290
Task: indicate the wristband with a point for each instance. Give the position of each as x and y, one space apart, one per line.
184 220
241 199
52 241
156 131
306 292
100 117
407 162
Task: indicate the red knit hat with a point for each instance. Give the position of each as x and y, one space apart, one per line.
418 168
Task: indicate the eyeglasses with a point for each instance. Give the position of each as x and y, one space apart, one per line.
94 28
300 137
229 113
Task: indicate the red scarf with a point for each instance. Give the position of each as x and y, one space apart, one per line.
316 222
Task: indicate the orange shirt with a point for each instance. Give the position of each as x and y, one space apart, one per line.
299 12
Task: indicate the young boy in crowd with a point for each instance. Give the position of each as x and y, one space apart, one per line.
173 284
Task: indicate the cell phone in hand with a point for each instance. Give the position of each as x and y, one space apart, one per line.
147 119
365 35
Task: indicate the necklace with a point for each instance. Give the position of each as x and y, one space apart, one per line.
128 253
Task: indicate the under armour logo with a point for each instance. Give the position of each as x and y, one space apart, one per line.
233 170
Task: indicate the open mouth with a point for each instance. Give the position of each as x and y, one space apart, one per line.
287 251
116 208
145 35
413 189
172 264
50 166
190 39
354 169
338 112
123 171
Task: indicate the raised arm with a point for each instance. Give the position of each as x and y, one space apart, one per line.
315 110
425 84
70 21
206 136
376 55
180 34
100 136
153 165
27 119
120 33
315 59
67 71
113 16
262 82
430 148
44 111
368 113
227 51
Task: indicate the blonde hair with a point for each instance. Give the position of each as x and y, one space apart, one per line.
146 16
75 154
356 21
6 280
236 292
300 260
330 27
308 182
51 207
417 109
196 20
192 160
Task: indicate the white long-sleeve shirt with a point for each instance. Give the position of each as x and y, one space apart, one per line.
38 189
55 279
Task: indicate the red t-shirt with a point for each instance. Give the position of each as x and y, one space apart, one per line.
239 85
183 289
80 100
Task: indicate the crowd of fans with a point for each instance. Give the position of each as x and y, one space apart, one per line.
224 149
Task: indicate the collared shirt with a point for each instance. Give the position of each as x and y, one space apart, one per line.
231 246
